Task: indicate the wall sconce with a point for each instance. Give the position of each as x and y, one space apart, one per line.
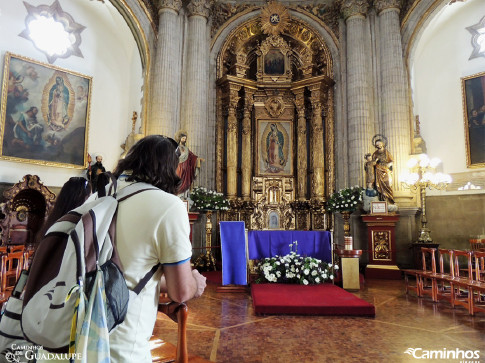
421 175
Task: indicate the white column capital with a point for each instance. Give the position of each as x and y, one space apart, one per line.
351 8
175 5
382 5
199 7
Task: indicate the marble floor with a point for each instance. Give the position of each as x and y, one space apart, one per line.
223 328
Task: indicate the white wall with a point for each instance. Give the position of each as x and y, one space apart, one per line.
438 62
110 57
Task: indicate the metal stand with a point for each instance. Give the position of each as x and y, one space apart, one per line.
207 260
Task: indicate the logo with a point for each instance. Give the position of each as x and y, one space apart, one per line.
12 357
463 356
30 353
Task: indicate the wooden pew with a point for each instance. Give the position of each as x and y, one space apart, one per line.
477 284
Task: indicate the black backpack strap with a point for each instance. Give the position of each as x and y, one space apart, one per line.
146 278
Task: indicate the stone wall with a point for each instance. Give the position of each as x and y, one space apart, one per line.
453 220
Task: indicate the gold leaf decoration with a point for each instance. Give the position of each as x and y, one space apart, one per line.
274 18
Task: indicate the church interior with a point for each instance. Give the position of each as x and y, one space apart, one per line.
279 102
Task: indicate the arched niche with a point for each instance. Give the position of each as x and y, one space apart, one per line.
296 100
27 203
309 51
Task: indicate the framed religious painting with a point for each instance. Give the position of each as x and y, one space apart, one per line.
274 62
473 88
274 148
44 114
273 220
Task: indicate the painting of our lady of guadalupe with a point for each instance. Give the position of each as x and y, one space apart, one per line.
44 114
275 144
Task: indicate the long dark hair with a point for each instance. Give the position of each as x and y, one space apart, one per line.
101 182
152 160
73 193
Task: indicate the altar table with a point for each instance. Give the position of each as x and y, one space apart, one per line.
263 244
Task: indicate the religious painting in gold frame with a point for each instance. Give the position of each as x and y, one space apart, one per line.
44 114
273 219
473 89
275 145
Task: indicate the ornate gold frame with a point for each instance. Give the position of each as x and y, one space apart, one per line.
263 129
469 124
39 153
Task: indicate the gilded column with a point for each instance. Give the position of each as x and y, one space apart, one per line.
246 145
330 143
195 104
360 126
232 142
302 167
318 161
165 94
395 115
219 138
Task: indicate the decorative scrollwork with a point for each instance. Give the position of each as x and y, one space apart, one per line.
354 7
275 106
171 4
222 12
199 8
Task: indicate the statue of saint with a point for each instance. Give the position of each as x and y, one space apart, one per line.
189 163
383 168
96 169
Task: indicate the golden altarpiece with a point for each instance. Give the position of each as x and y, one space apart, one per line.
275 123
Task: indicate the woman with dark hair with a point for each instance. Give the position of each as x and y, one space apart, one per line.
153 160
151 227
73 193
101 182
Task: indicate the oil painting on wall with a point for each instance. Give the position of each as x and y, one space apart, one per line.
474 109
45 114
275 146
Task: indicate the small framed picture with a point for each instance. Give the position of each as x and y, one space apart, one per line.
378 208
186 202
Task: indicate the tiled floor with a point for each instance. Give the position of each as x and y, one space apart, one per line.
223 328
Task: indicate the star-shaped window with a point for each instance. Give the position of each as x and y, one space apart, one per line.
478 38
52 31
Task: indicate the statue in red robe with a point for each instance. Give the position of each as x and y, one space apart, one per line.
189 163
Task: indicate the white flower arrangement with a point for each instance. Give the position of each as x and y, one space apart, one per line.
347 199
294 269
205 199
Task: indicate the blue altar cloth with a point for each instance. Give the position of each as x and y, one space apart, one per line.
263 244
233 250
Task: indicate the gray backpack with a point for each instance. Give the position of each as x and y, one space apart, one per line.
65 264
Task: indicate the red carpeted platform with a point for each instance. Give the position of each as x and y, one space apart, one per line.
323 299
214 277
